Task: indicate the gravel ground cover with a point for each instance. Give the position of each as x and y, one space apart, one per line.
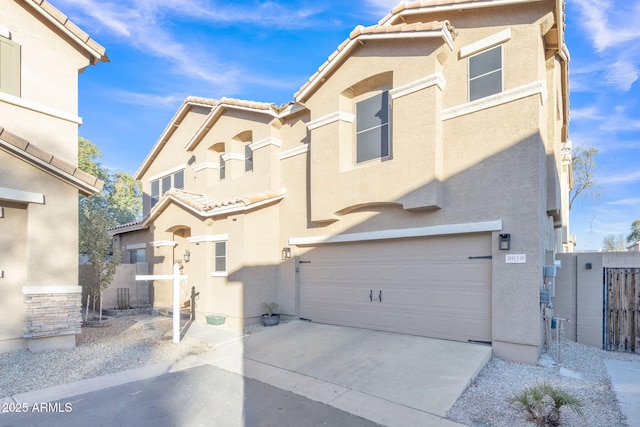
581 372
125 343
133 342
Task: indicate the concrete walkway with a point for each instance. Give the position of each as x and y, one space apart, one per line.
390 379
625 377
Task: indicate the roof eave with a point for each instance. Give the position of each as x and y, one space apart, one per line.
394 17
303 94
96 51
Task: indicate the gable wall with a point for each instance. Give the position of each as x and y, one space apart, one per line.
49 79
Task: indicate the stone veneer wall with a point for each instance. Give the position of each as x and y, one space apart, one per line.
52 311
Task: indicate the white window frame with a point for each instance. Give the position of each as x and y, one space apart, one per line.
477 78
362 131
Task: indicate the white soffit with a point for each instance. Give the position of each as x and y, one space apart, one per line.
434 230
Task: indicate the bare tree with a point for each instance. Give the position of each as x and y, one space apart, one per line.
612 243
584 173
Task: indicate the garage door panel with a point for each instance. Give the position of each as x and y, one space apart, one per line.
429 286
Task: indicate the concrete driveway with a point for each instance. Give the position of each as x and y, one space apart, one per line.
388 378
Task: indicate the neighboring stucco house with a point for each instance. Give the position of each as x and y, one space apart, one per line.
417 183
41 55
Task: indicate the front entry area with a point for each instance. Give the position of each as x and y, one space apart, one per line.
436 286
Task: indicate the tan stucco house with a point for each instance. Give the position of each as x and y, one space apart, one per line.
41 55
416 183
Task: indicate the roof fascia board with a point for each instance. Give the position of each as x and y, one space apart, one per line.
394 18
213 117
85 188
165 135
353 43
38 8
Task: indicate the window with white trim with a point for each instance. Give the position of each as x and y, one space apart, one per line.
248 158
372 128
164 184
220 257
9 66
137 255
485 73
222 168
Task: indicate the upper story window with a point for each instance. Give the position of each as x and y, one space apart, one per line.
220 257
372 128
9 64
162 185
223 170
248 158
485 73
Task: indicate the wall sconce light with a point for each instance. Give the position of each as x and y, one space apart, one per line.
187 255
504 241
286 253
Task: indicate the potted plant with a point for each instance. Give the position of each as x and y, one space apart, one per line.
270 318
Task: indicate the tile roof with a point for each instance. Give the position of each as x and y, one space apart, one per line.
376 30
86 183
54 15
204 203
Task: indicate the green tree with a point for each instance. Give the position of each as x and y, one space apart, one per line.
121 195
119 202
612 243
584 173
103 259
634 236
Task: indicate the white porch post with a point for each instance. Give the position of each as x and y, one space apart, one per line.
176 303
176 277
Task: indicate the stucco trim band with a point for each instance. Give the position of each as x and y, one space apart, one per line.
485 43
206 165
39 108
331 118
208 238
495 100
293 152
434 230
167 172
436 79
14 195
265 142
159 243
35 290
232 156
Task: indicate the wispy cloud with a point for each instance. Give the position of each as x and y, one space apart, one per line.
621 178
633 201
612 28
148 26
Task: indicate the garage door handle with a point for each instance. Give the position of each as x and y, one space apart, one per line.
380 296
371 295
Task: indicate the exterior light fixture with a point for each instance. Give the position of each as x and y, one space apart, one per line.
286 253
504 241
187 255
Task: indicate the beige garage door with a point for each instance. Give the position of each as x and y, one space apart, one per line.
436 287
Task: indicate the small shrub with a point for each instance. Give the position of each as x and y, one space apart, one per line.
271 307
542 403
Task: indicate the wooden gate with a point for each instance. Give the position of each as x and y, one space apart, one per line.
622 309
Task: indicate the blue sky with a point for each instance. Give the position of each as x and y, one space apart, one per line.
162 51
